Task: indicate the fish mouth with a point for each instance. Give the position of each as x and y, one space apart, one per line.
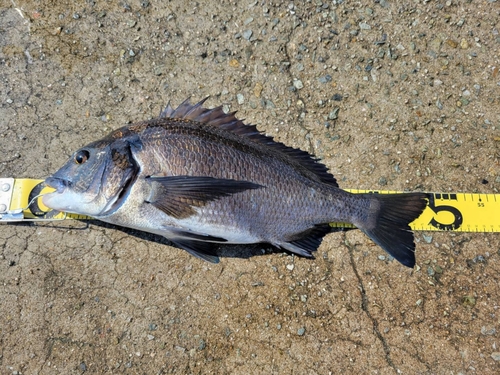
57 183
51 199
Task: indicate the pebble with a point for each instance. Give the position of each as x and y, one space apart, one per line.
247 34
301 331
269 104
451 43
430 271
469 301
290 267
381 257
364 26
202 344
334 114
240 98
382 41
325 79
257 89
233 63
435 44
427 238
488 330
158 70
297 83
495 356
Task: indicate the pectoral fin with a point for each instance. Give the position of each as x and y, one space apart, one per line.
177 195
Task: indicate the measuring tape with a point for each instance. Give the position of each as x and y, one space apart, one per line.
20 200
459 212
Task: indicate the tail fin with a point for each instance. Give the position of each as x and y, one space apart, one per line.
387 223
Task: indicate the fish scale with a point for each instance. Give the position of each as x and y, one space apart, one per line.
203 178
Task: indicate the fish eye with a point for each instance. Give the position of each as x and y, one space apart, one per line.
81 156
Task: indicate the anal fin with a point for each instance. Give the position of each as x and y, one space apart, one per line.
306 242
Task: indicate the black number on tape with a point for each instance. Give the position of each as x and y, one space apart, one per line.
458 218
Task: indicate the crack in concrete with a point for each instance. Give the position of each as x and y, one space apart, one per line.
364 307
287 71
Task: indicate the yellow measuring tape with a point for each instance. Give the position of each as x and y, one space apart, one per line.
20 201
458 212
461 212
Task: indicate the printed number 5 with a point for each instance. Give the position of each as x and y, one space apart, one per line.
458 218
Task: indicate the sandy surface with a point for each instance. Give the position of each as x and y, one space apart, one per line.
390 96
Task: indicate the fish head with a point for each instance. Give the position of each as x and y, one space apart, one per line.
95 181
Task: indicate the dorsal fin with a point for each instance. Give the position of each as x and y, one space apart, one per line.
227 121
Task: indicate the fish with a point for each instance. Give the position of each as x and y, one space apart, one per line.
203 178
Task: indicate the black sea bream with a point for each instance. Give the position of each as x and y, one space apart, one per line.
202 178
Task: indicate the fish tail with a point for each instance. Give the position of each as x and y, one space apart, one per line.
387 223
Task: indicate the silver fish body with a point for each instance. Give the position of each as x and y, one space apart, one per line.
202 178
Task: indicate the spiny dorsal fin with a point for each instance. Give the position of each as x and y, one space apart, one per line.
227 121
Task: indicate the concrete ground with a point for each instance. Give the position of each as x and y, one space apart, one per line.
391 95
